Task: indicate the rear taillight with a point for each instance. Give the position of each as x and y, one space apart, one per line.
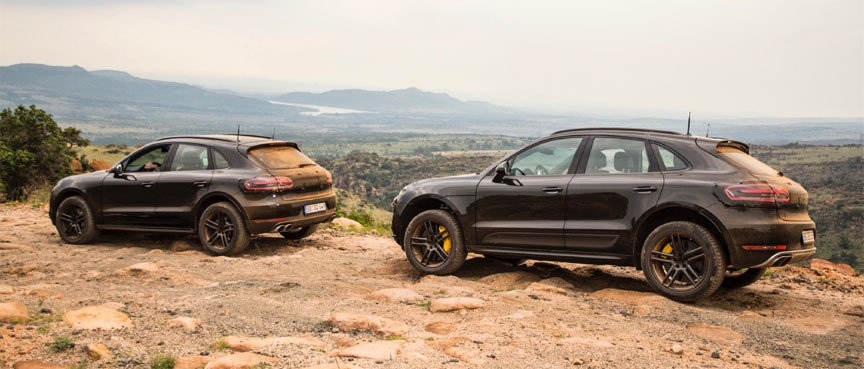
329 178
268 184
758 192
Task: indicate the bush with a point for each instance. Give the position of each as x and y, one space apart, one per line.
163 362
61 344
34 150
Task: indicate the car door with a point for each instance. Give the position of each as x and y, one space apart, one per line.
186 180
617 181
526 207
129 198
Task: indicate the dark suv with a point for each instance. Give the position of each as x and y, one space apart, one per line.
691 212
225 188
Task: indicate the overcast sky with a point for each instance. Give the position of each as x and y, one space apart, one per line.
774 58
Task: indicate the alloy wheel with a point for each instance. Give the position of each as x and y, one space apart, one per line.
431 244
73 221
678 262
219 230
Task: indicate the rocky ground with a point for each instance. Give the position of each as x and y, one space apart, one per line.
338 300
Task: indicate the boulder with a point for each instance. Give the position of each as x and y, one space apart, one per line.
98 351
35 364
346 223
192 362
840 268
510 280
628 297
97 317
13 311
440 327
99 165
184 322
76 166
354 322
378 350
715 333
455 303
244 344
244 360
395 295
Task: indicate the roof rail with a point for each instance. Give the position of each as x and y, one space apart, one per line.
616 129
226 137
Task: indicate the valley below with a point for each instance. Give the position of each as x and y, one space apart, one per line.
343 299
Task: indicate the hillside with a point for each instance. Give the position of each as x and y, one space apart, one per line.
409 100
352 301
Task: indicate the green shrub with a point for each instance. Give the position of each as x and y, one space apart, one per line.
163 362
61 344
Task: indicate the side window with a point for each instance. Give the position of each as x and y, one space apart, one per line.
219 161
546 159
617 155
670 160
189 157
148 161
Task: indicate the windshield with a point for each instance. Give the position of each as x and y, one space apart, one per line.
745 161
280 157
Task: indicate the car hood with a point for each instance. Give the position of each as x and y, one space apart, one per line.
460 185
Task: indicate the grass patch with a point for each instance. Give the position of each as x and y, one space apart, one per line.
163 362
61 344
220 345
43 329
425 304
81 365
769 273
394 338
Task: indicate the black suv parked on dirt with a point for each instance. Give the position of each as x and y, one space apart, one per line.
225 188
692 212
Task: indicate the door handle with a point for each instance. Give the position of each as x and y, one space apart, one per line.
552 189
147 184
645 189
200 183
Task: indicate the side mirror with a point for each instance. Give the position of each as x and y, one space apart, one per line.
501 171
116 170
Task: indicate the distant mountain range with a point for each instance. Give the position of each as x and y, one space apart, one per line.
116 107
409 100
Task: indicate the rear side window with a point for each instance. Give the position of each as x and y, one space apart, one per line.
617 155
280 157
670 160
745 161
190 157
219 161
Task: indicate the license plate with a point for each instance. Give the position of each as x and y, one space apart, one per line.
808 237
314 208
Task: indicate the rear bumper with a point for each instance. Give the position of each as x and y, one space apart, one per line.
787 257
274 214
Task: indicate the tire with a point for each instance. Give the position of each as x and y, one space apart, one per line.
511 261
417 243
746 278
300 233
222 229
683 261
75 222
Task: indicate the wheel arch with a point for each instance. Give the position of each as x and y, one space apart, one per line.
679 212
65 194
420 204
212 198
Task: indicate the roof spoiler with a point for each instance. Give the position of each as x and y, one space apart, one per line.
710 145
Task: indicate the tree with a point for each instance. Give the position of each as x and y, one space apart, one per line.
34 150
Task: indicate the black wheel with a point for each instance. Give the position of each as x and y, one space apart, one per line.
434 243
683 261
222 229
75 222
507 260
296 234
742 277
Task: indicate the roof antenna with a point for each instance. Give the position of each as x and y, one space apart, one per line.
273 137
708 130
688 123
238 132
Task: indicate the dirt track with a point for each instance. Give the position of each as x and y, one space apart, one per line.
545 315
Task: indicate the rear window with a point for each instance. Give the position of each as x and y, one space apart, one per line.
745 161
280 157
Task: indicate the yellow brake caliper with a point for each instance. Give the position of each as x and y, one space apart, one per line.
446 236
667 249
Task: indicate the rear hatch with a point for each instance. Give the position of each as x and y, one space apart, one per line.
790 197
286 160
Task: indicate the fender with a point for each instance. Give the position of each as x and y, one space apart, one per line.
197 209
55 203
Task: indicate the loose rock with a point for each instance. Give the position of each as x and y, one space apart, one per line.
35 364
440 327
98 351
378 350
192 362
395 295
97 317
13 311
346 223
187 323
6 290
455 303
354 322
245 360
